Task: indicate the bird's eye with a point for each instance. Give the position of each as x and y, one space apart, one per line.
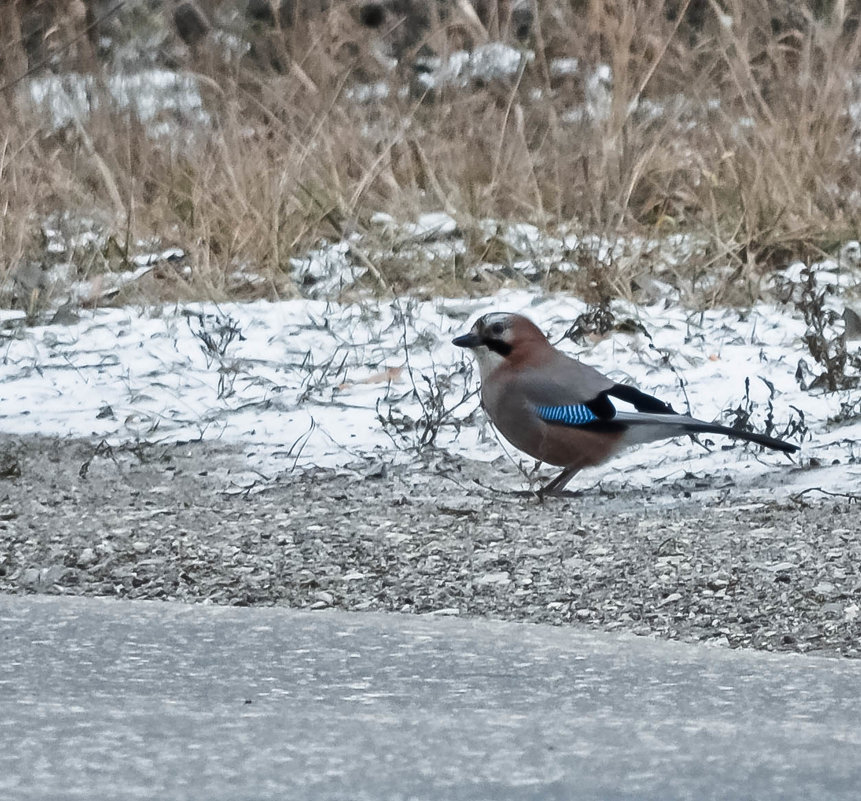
497 329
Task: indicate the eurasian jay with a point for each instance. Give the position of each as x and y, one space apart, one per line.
560 411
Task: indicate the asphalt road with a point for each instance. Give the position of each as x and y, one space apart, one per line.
121 699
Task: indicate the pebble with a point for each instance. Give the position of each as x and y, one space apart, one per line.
492 578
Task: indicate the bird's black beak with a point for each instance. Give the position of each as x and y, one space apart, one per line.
467 341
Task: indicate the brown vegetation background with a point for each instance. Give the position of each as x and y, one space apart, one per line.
734 121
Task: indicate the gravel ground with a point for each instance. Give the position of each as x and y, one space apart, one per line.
185 522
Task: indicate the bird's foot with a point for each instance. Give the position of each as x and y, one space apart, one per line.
556 487
558 493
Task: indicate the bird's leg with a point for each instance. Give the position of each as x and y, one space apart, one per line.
556 486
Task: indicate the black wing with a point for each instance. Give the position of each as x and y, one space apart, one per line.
639 400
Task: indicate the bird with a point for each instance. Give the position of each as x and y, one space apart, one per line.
560 411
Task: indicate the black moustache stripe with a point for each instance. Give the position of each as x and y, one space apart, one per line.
498 346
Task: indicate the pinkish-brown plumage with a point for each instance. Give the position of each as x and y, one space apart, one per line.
558 410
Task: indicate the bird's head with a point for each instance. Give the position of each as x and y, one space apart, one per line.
500 338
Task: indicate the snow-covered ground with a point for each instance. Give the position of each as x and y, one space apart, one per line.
159 98
306 383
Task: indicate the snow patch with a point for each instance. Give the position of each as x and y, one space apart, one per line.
159 98
314 383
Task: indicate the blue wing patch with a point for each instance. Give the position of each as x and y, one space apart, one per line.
578 414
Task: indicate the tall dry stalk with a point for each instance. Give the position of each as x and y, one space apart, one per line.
730 129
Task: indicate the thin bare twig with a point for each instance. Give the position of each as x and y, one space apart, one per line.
62 48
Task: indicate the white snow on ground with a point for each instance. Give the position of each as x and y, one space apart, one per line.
307 382
314 382
160 98
488 62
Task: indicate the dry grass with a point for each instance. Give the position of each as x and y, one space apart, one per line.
754 152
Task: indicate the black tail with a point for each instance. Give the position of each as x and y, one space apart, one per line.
656 409
750 436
